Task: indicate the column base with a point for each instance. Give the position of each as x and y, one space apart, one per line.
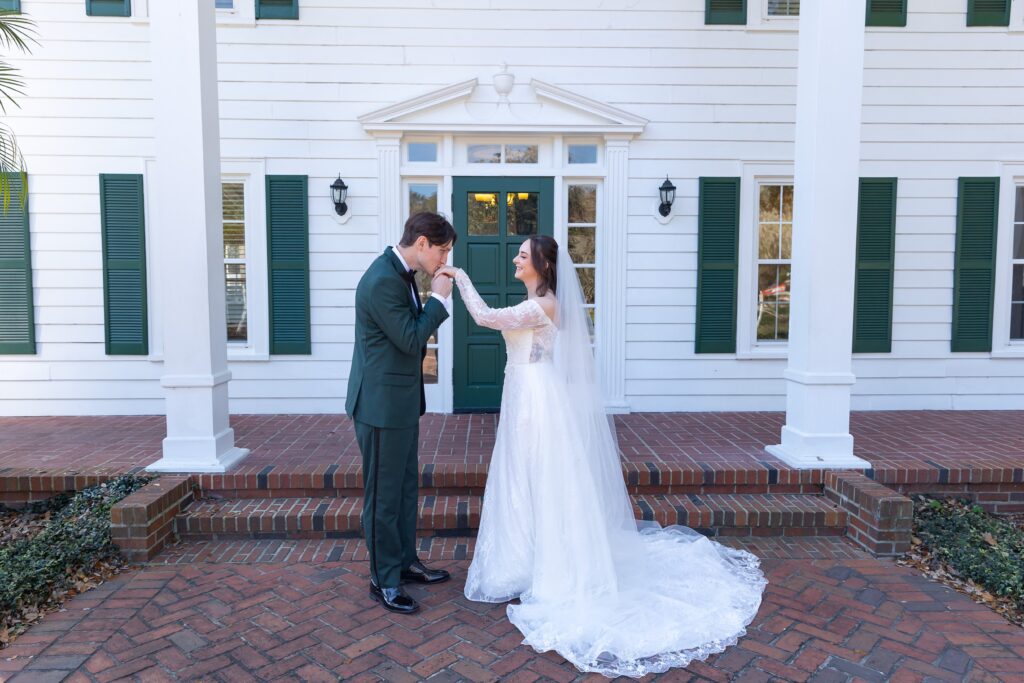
199 454
817 451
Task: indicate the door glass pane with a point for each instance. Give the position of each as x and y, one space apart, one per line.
586 276
422 197
583 203
583 245
582 154
422 151
521 213
482 214
520 154
484 154
234 282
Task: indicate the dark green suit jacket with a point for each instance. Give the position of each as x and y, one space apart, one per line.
385 385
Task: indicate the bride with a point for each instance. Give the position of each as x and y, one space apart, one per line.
557 530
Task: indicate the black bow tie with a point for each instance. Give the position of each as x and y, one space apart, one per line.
409 276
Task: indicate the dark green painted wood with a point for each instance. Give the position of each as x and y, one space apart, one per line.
108 8
876 238
718 224
977 214
988 12
17 318
288 255
725 12
886 13
123 230
480 352
277 9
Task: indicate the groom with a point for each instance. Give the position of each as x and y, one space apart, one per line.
386 399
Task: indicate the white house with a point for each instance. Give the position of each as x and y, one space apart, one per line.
181 253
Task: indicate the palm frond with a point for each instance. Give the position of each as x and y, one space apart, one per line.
12 163
16 31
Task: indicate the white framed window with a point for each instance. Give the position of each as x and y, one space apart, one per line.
229 12
422 194
513 156
582 225
426 151
773 15
244 227
1017 268
1008 302
765 260
582 153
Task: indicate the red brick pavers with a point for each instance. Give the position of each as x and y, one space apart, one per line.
287 611
888 439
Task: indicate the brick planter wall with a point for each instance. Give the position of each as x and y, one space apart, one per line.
879 519
143 523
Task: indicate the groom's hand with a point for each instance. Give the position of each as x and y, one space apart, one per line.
441 284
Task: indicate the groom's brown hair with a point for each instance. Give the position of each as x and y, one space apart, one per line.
433 226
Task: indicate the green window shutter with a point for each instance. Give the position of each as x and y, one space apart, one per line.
108 8
277 9
988 12
876 238
718 225
123 227
887 12
977 214
17 321
288 252
725 12
10 5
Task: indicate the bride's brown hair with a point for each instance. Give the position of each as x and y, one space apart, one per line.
544 256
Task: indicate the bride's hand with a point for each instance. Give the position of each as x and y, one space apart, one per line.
449 271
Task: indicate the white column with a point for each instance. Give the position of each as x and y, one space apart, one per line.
828 113
188 216
611 306
389 198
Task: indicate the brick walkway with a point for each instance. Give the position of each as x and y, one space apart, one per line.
285 611
888 439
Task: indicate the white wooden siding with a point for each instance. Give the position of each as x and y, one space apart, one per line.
940 101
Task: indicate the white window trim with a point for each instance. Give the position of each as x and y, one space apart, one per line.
242 15
252 172
754 175
758 19
1016 17
562 237
1011 178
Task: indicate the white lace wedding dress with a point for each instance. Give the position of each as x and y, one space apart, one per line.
557 531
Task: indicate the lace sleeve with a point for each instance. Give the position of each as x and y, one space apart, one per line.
524 315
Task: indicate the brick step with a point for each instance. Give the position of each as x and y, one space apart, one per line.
469 479
459 515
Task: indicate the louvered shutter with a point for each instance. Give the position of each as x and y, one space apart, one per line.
17 319
974 268
288 251
718 238
876 236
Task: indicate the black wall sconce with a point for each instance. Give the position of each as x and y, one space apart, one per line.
668 195
339 191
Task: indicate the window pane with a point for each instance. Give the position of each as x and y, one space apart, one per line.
521 213
583 245
232 200
770 202
422 151
234 284
423 280
786 246
520 154
768 241
430 367
782 322
484 154
1018 241
783 8
787 203
234 240
483 213
586 276
1017 288
583 203
422 197
1018 215
1017 321
225 4
582 154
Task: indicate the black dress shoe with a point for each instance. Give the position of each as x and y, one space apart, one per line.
394 599
419 573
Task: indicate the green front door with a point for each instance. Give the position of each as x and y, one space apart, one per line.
492 217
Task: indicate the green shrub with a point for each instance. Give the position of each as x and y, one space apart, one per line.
974 545
35 570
